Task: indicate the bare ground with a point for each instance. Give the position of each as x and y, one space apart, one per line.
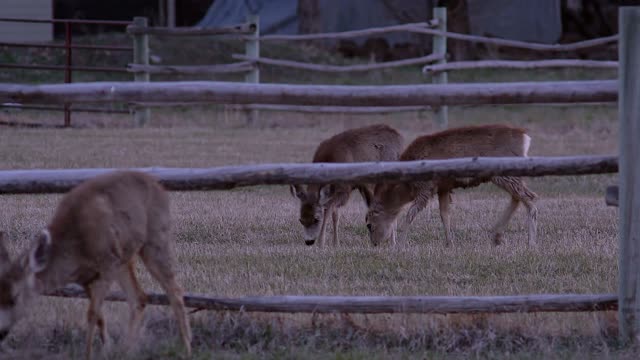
248 242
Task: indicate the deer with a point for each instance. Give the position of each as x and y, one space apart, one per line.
317 201
389 199
96 234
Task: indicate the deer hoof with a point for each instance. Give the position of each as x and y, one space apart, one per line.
497 239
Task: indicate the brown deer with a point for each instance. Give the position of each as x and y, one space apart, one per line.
317 202
96 232
487 140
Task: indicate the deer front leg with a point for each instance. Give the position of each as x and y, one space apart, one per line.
422 200
335 216
136 298
323 226
97 291
444 200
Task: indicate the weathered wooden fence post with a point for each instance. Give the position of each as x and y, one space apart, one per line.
440 48
141 57
252 50
629 197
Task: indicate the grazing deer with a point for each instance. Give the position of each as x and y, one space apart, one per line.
488 140
96 232
370 143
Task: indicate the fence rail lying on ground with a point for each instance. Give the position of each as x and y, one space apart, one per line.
331 109
341 68
227 177
383 304
242 66
352 33
525 65
241 29
331 95
519 44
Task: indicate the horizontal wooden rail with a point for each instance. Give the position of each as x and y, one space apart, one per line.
352 33
242 66
519 44
341 68
507 64
331 109
226 177
324 95
383 304
240 29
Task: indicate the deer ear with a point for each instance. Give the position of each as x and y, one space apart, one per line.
326 192
41 252
4 254
367 194
297 192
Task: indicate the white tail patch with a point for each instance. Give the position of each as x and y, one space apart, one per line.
525 145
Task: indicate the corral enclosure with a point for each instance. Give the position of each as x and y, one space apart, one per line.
248 241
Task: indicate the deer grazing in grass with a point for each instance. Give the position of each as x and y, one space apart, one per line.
317 202
489 140
96 232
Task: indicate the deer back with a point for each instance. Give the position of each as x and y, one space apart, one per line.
103 223
472 141
370 143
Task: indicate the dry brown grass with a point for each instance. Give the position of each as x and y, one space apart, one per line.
248 242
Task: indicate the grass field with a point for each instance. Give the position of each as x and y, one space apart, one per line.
248 242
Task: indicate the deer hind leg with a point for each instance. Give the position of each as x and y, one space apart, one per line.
519 193
340 199
97 291
159 259
444 201
136 298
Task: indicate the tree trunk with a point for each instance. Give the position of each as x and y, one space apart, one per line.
309 17
458 22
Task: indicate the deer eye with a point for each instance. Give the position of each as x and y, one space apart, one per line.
369 227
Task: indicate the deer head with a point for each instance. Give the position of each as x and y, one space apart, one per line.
313 202
388 200
17 280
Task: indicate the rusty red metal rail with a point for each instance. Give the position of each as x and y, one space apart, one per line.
63 46
64 67
70 21
68 47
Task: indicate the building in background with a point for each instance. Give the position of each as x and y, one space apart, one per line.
26 32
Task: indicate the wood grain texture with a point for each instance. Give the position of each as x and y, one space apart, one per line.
523 65
383 304
240 29
324 95
332 109
352 33
227 177
629 180
519 44
241 66
340 68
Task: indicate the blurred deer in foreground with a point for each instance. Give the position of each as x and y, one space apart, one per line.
98 229
317 202
490 141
